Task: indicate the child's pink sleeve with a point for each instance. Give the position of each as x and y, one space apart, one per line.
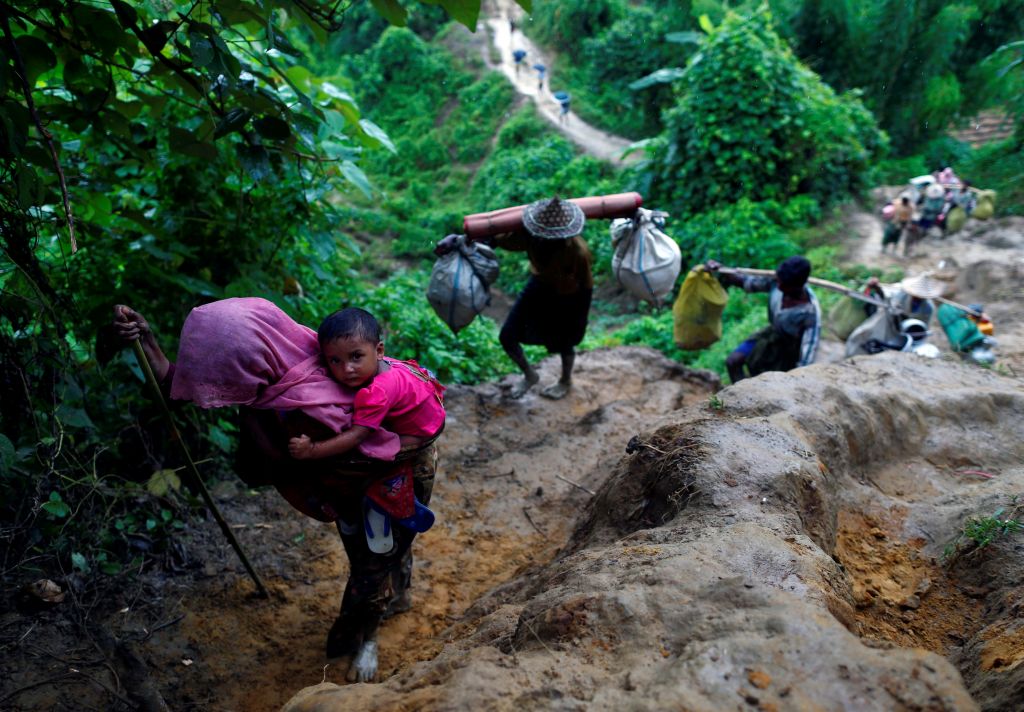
371 407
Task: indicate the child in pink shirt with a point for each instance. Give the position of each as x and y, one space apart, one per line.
399 396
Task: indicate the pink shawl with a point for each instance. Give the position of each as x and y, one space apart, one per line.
246 351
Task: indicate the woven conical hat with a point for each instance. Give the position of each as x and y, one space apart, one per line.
553 219
923 286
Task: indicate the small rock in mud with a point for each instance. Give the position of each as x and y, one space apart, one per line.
912 602
759 678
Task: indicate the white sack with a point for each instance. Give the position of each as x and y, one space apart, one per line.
646 260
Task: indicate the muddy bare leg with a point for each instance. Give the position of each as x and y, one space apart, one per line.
734 365
515 352
560 389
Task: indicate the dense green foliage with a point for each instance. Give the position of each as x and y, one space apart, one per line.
920 64
751 122
231 148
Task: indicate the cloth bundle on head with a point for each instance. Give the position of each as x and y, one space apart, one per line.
246 351
923 286
553 219
793 270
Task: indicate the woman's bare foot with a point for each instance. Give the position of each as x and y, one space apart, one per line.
519 390
557 391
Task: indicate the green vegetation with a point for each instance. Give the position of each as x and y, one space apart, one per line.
752 122
237 149
979 532
920 65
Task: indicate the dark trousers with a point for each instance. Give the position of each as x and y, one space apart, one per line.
375 580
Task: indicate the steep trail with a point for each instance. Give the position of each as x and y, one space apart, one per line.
594 141
512 477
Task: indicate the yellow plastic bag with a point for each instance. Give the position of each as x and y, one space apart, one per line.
697 311
955 219
847 314
984 210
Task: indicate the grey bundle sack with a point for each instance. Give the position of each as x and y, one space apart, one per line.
646 260
460 283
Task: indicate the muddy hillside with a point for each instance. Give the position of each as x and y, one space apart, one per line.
777 547
513 477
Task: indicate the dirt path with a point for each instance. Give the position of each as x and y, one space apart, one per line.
592 140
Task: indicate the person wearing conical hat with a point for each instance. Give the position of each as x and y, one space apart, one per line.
552 309
913 296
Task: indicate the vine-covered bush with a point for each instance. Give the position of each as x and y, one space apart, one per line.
752 122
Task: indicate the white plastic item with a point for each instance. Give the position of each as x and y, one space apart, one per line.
377 526
460 283
646 260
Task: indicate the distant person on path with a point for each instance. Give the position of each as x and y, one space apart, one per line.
913 297
794 316
541 70
903 213
518 55
965 198
931 209
563 100
552 309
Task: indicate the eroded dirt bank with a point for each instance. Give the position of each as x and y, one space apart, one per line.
780 552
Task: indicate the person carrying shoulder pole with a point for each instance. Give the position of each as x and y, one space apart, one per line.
552 309
791 339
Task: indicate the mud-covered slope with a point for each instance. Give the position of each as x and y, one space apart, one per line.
778 552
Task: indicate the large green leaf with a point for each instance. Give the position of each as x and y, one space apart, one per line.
464 11
125 13
660 76
378 135
391 10
232 121
354 175
37 56
255 160
101 27
163 481
201 48
273 128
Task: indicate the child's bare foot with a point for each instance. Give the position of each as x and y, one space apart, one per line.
519 390
364 666
557 391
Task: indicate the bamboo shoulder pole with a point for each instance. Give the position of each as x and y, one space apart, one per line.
143 360
843 289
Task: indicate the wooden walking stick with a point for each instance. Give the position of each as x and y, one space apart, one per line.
143 360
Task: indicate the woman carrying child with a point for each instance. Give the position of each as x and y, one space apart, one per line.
248 352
